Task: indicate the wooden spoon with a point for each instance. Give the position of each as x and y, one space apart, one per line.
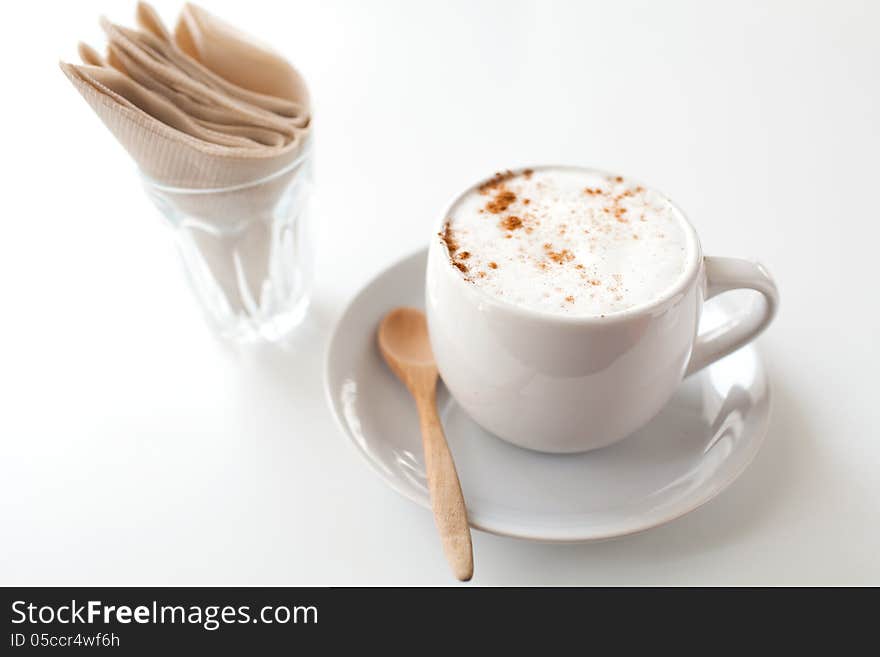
403 341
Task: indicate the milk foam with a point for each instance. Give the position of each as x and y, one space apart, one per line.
568 241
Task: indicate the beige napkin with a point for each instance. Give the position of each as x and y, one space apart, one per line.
205 108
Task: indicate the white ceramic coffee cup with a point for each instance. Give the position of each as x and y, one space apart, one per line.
559 383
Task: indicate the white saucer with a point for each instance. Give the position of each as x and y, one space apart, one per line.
696 447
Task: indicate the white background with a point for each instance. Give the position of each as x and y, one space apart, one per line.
136 449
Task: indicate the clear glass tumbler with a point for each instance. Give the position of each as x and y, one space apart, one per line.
246 249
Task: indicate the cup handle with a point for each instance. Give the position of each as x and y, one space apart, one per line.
723 274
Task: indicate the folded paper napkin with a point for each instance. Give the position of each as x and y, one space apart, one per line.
205 107
208 109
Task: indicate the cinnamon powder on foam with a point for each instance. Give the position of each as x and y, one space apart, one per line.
618 204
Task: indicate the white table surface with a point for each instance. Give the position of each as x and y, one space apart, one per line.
137 449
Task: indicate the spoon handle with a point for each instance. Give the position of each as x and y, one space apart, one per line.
447 501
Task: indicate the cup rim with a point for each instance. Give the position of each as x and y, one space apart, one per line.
668 297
